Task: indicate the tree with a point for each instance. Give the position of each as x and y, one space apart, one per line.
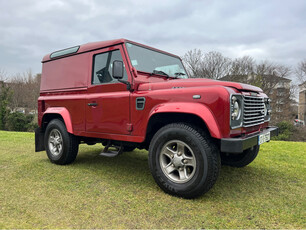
270 75
19 122
241 70
193 62
26 90
5 95
243 66
300 71
210 65
215 65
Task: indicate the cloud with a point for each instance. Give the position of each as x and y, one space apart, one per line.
273 30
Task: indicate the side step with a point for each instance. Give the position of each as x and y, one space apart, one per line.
111 150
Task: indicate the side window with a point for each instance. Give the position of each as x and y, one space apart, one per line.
103 67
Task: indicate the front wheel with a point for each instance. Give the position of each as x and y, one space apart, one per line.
61 146
241 159
183 160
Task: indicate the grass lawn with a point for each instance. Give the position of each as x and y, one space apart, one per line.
99 192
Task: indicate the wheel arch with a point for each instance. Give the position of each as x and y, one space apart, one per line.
200 116
57 113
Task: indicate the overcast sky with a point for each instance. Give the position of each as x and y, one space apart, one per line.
273 30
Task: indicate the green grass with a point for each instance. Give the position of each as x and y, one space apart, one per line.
99 192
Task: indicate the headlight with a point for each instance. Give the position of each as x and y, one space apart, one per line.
236 109
267 109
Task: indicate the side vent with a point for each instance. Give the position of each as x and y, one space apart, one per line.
140 103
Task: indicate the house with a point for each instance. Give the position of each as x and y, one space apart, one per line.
302 102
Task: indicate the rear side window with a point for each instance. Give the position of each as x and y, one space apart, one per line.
64 52
103 67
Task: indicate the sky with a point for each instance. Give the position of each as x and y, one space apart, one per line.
273 30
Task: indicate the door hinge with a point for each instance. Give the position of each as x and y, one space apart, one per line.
129 127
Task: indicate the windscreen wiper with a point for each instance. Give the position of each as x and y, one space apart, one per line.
176 75
159 72
179 74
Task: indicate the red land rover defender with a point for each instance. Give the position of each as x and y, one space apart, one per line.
126 95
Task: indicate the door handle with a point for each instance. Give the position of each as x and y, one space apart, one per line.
92 104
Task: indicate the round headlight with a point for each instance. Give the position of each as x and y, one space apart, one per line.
236 111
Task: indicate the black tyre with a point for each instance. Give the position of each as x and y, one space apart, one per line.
61 146
183 160
242 159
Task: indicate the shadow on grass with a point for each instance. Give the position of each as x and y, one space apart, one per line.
129 167
133 168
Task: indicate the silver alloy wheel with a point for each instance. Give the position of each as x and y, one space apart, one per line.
177 161
55 142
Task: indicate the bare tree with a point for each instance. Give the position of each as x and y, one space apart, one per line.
300 71
269 75
243 66
3 75
25 87
210 65
241 69
193 61
215 65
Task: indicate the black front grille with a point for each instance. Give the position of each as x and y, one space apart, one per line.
253 111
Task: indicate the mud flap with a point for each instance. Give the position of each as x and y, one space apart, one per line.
39 140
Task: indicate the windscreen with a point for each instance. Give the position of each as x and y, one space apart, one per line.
147 60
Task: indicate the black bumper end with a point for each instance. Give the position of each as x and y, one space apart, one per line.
237 145
39 140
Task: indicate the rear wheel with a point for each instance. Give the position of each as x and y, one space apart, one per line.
183 160
61 146
241 159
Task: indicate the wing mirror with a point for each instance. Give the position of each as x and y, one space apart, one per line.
118 74
118 69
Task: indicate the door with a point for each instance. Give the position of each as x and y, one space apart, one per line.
108 101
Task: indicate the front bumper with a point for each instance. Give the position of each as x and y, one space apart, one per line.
237 145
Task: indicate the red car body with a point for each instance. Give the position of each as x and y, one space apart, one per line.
66 90
132 111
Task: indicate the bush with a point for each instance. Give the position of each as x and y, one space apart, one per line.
5 96
299 134
289 132
286 130
19 122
